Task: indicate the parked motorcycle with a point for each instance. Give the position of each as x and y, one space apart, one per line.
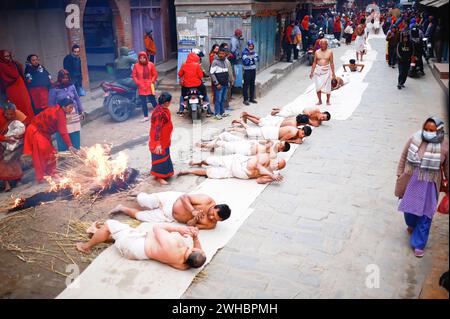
310 56
427 49
120 98
194 104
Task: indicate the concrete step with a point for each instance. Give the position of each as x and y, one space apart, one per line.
441 69
167 67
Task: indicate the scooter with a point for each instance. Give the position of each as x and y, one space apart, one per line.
310 56
193 102
427 49
120 98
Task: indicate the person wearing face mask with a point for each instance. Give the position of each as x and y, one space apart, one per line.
64 88
260 167
419 175
38 82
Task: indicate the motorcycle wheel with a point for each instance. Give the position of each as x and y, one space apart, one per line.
118 108
196 115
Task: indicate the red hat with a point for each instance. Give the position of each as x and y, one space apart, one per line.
238 31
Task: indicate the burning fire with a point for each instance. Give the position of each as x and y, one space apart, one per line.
18 201
97 170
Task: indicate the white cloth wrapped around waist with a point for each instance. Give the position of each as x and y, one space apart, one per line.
129 241
360 43
322 78
160 206
235 147
228 137
265 132
228 166
271 121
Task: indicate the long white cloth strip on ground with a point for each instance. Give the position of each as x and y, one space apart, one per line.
111 276
345 100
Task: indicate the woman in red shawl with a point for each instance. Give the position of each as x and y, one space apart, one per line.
38 142
145 75
10 165
11 79
160 139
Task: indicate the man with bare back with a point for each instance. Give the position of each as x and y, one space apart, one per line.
322 71
198 210
271 120
164 243
290 134
228 144
260 167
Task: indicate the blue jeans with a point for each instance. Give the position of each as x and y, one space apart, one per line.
220 95
421 226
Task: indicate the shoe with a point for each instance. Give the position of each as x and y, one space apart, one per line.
246 103
399 87
253 101
225 115
217 117
402 85
145 119
419 253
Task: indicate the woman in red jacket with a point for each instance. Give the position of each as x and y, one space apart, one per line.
145 75
38 134
160 139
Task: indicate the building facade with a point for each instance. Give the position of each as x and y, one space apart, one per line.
201 24
39 27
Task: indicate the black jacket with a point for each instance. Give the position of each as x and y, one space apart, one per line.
73 65
37 76
405 52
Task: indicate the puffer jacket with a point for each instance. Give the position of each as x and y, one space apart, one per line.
191 73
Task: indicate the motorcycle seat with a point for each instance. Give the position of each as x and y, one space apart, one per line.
126 83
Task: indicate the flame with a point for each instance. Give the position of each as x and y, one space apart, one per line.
103 170
18 201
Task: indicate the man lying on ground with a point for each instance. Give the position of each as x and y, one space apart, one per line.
298 120
164 244
289 134
260 167
316 117
353 66
229 144
192 209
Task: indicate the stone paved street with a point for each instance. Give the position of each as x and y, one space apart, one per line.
316 234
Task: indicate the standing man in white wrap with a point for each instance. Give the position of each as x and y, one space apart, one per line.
322 71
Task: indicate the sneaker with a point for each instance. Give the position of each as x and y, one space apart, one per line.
225 115
399 87
419 253
253 101
217 117
246 103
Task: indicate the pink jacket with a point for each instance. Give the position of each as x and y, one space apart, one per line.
403 178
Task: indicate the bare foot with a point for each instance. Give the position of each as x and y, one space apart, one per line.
162 181
235 122
319 103
117 209
192 163
83 247
328 103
